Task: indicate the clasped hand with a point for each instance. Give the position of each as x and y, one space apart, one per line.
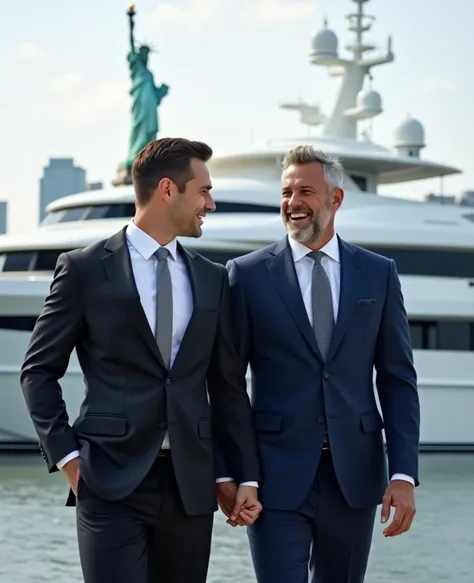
240 505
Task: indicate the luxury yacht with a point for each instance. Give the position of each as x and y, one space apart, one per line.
432 244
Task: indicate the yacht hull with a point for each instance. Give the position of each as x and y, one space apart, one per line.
446 388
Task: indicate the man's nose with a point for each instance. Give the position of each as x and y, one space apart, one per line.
293 201
210 204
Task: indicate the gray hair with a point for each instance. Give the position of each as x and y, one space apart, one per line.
333 170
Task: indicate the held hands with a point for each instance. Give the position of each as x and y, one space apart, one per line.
401 496
240 505
71 469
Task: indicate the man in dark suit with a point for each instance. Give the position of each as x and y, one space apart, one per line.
315 315
152 326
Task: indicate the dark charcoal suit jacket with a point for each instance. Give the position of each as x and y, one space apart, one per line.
131 398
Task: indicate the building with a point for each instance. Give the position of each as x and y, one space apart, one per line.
60 178
3 217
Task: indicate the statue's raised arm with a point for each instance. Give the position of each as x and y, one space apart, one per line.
131 14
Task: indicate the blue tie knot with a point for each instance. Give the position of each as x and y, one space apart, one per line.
162 253
316 256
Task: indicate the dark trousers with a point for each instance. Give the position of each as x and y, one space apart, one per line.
324 540
145 538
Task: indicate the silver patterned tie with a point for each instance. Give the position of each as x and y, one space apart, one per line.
164 305
321 303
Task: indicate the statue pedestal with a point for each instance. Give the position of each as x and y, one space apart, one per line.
124 176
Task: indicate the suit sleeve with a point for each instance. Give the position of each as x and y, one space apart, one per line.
235 445
54 337
397 383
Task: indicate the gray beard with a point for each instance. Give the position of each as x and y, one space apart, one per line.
304 236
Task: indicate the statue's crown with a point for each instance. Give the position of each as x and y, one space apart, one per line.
146 47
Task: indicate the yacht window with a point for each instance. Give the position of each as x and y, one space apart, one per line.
19 323
111 211
361 181
46 259
53 217
423 335
439 263
73 214
442 335
97 212
409 262
127 210
18 261
223 206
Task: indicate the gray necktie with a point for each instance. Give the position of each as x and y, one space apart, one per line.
321 303
164 305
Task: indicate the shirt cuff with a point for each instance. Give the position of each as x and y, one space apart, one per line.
70 456
403 477
253 484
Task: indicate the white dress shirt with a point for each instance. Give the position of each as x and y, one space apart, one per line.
142 248
331 264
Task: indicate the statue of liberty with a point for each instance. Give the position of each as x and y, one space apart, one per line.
146 99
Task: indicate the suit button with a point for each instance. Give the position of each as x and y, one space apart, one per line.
321 419
163 425
168 382
325 375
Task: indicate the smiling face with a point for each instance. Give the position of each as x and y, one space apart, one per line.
188 208
172 188
309 204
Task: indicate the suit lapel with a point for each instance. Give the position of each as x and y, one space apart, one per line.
282 270
348 293
118 268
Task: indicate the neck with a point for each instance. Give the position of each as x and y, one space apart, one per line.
159 231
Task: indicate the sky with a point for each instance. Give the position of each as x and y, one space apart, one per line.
64 80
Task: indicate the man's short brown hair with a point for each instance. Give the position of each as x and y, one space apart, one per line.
165 158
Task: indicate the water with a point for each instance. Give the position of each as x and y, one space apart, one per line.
38 537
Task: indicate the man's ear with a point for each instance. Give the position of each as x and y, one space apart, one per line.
164 188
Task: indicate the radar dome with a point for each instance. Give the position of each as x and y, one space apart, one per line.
324 44
409 137
370 101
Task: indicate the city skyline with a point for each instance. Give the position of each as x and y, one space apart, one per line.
80 105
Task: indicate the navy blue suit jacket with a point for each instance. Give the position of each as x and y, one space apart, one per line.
295 394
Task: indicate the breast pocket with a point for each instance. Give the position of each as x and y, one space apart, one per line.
367 317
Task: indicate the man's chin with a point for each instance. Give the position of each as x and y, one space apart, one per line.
194 233
302 235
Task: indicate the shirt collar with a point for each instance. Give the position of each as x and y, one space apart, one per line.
331 249
146 245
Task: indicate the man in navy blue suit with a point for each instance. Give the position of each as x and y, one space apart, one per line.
314 316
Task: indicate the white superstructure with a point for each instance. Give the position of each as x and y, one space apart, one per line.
432 244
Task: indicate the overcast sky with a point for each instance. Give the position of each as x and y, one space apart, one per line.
64 86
